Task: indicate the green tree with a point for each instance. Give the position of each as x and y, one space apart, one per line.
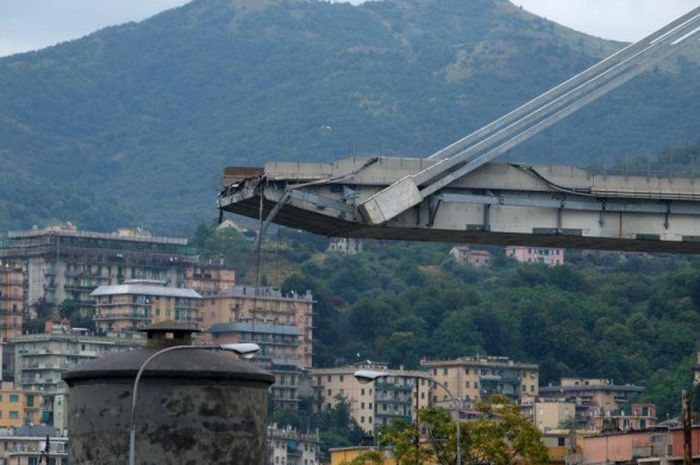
502 436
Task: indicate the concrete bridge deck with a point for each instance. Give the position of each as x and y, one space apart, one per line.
506 204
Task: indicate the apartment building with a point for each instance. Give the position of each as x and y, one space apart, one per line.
287 446
551 415
40 359
138 303
62 263
345 245
467 256
12 282
264 305
596 399
478 378
280 353
374 404
18 407
545 255
634 417
210 279
28 446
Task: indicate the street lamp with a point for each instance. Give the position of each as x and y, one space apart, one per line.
246 350
369 376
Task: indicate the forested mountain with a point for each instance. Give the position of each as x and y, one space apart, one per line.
134 123
137 121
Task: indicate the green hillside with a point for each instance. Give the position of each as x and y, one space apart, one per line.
134 123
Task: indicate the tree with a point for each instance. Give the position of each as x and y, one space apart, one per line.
501 436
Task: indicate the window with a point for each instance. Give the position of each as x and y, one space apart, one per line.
466 384
466 371
532 388
14 414
14 398
342 378
370 406
444 371
329 392
329 378
362 391
362 405
561 442
362 419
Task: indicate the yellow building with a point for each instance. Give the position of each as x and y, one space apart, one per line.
550 415
374 404
139 303
477 378
18 407
210 279
342 455
264 305
12 280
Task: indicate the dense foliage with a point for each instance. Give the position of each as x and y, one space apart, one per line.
148 114
632 318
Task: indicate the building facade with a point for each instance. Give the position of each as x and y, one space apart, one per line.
547 256
136 304
466 256
264 305
27 446
40 359
287 446
478 378
18 407
12 305
374 404
599 399
280 347
210 279
62 263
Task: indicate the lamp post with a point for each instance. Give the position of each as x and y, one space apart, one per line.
369 376
245 350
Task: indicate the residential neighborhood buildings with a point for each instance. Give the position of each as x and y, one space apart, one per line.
544 255
471 257
137 303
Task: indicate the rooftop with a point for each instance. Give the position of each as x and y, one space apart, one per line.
262 292
479 360
152 288
124 234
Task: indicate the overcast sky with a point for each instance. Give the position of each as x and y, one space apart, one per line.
33 24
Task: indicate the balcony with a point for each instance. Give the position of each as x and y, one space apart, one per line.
125 316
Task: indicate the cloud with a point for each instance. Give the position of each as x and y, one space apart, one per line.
33 24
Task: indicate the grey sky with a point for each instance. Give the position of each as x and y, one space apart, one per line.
32 24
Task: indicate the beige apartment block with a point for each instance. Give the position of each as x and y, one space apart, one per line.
210 279
373 404
138 303
478 378
264 305
550 415
12 282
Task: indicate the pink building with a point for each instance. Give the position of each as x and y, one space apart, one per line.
548 256
617 448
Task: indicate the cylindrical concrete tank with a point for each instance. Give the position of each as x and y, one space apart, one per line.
193 406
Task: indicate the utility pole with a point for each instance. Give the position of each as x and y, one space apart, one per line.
687 428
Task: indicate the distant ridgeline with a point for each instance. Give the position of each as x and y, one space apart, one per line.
134 123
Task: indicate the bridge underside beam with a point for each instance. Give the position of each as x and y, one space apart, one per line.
504 210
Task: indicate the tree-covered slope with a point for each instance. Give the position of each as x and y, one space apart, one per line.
144 116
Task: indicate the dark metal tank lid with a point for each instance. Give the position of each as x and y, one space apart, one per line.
191 364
